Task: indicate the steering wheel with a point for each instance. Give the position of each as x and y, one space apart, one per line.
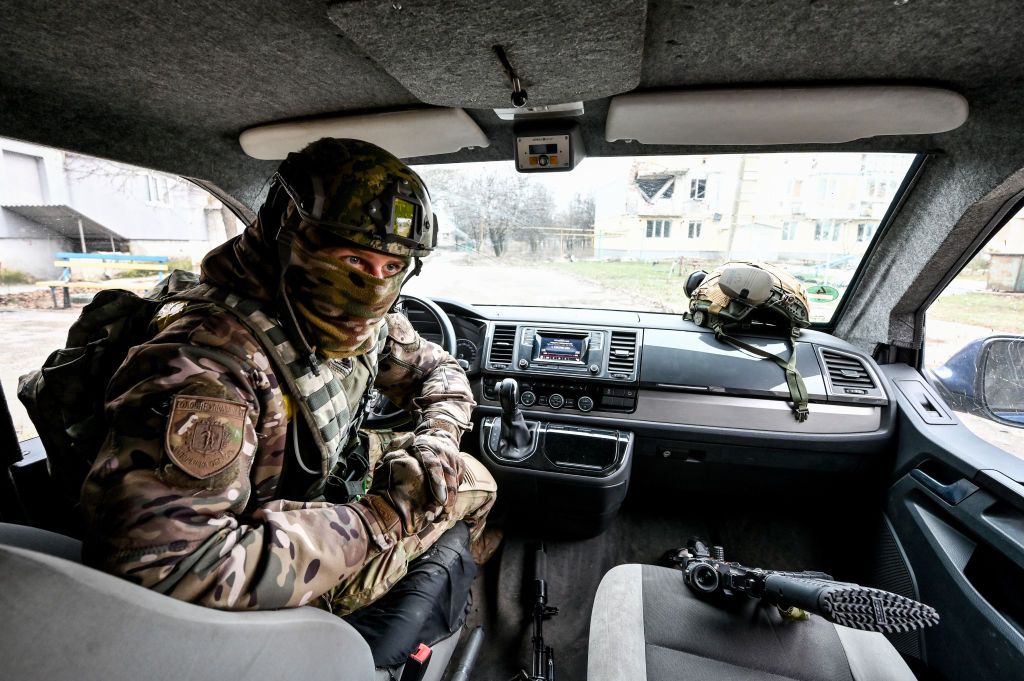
384 414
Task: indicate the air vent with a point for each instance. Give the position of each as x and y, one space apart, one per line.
503 345
622 354
847 372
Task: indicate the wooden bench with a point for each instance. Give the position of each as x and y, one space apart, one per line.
101 261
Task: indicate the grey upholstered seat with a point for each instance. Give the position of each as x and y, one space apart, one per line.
647 625
63 621
43 541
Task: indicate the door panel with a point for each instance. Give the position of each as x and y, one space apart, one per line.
956 510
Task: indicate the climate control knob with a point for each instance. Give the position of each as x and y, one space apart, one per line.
556 401
528 399
585 403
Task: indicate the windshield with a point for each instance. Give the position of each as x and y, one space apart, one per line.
623 233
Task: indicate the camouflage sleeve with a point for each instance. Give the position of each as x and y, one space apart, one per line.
421 377
180 498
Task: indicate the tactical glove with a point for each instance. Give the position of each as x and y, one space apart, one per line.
437 451
400 481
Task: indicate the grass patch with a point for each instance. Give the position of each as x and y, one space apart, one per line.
15 277
657 284
172 264
1003 312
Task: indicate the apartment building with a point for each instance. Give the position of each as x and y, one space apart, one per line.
53 201
780 207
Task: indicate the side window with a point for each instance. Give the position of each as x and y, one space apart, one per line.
974 346
92 226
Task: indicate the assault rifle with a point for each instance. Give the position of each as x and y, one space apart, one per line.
709 575
543 658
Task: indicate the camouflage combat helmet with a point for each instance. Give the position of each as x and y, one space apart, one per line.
738 291
741 292
360 193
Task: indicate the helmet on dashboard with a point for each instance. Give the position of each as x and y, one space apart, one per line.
745 292
738 293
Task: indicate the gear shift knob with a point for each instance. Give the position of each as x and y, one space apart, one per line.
508 395
516 439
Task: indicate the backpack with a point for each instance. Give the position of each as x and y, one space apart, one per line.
738 293
66 397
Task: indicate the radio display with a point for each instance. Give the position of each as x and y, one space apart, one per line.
561 349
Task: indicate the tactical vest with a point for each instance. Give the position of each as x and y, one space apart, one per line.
328 395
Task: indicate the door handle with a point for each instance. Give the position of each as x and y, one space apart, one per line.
952 493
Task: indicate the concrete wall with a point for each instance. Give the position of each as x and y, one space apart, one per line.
1010 238
136 203
171 248
24 245
157 213
34 256
51 166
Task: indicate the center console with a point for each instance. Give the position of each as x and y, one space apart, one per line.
565 367
578 450
575 474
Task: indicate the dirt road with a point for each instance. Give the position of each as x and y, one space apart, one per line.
479 280
28 338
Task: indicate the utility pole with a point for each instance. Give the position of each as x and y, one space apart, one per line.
734 218
81 234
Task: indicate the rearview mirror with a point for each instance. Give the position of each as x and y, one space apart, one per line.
986 378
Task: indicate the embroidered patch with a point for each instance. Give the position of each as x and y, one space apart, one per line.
204 434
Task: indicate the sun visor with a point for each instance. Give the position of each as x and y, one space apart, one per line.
765 116
406 134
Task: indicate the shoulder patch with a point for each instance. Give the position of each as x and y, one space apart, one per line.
204 434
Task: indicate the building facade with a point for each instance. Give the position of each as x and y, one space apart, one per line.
779 207
53 201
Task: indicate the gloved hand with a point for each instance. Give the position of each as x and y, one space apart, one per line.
437 450
400 480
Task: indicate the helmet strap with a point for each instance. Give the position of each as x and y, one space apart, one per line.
415 271
794 381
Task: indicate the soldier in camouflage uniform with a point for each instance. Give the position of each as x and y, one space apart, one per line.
229 427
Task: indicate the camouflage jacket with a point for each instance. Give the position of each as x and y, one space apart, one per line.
229 536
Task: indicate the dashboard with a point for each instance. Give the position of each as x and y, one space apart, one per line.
624 392
661 368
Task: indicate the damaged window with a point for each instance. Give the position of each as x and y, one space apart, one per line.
654 188
698 189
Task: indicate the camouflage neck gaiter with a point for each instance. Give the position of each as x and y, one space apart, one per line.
340 305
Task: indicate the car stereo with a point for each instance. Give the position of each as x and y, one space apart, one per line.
560 348
569 351
565 351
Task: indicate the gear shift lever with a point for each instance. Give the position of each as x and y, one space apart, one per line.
514 442
508 395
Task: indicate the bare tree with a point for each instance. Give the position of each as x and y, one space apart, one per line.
578 223
494 202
